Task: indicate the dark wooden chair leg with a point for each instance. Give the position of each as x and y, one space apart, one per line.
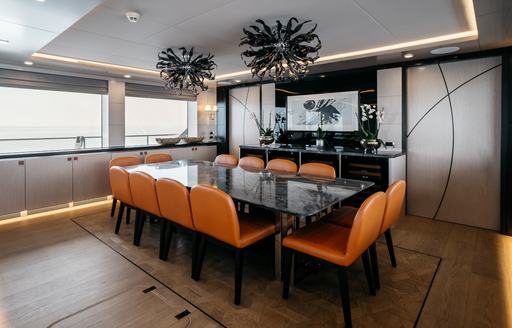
128 212
163 232
345 297
375 265
391 250
195 250
113 209
239 264
368 272
137 223
140 227
287 257
200 258
168 240
119 218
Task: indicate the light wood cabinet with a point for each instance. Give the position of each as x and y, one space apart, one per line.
205 153
12 180
90 176
49 181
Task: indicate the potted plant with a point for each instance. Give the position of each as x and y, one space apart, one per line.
266 133
320 137
369 126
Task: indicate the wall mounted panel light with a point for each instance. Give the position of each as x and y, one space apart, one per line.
28 63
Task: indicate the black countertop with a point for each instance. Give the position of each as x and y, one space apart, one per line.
381 153
277 191
99 150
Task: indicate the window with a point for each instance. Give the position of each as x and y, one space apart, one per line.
150 118
36 120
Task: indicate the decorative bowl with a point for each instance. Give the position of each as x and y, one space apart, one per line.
167 141
192 139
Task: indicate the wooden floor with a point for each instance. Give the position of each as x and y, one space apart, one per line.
71 270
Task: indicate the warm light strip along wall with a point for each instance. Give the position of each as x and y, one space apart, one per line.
70 60
472 33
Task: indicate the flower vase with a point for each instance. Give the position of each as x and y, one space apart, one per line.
370 145
266 140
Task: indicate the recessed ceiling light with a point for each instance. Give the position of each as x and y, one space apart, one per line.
28 63
41 0
444 50
3 41
127 76
238 81
408 55
323 75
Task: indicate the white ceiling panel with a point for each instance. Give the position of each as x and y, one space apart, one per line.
417 19
22 40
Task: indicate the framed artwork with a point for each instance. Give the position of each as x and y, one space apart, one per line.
332 111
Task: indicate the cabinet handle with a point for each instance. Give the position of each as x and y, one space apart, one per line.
21 162
141 153
69 159
145 153
75 158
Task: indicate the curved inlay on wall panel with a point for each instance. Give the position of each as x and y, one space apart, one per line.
242 128
453 131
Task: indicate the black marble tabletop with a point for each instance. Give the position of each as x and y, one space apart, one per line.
381 152
277 191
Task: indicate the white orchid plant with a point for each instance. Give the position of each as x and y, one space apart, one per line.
369 121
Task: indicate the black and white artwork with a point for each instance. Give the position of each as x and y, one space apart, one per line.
332 111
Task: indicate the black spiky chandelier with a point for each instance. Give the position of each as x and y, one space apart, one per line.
280 51
184 72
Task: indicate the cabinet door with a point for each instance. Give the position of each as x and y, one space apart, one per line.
181 153
12 180
90 176
138 153
49 181
205 153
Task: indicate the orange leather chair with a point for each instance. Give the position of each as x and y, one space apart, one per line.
318 170
174 203
339 245
143 189
251 162
157 158
282 165
226 159
395 195
215 215
122 161
120 184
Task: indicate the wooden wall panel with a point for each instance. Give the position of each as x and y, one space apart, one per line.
453 166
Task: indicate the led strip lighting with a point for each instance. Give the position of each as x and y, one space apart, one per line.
472 33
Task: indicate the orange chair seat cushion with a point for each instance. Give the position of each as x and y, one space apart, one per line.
254 229
324 241
343 216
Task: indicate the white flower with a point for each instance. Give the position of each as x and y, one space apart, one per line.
364 119
370 116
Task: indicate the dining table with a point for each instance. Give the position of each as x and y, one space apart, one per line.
284 194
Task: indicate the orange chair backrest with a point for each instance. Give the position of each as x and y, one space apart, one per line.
226 159
214 214
283 165
142 186
318 170
395 200
120 185
251 162
366 226
157 158
174 202
125 161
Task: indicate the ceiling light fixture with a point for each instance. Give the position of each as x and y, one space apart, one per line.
408 55
185 72
41 1
3 41
28 63
127 76
280 51
444 50
238 81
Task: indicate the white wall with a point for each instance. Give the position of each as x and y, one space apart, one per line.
242 128
389 97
